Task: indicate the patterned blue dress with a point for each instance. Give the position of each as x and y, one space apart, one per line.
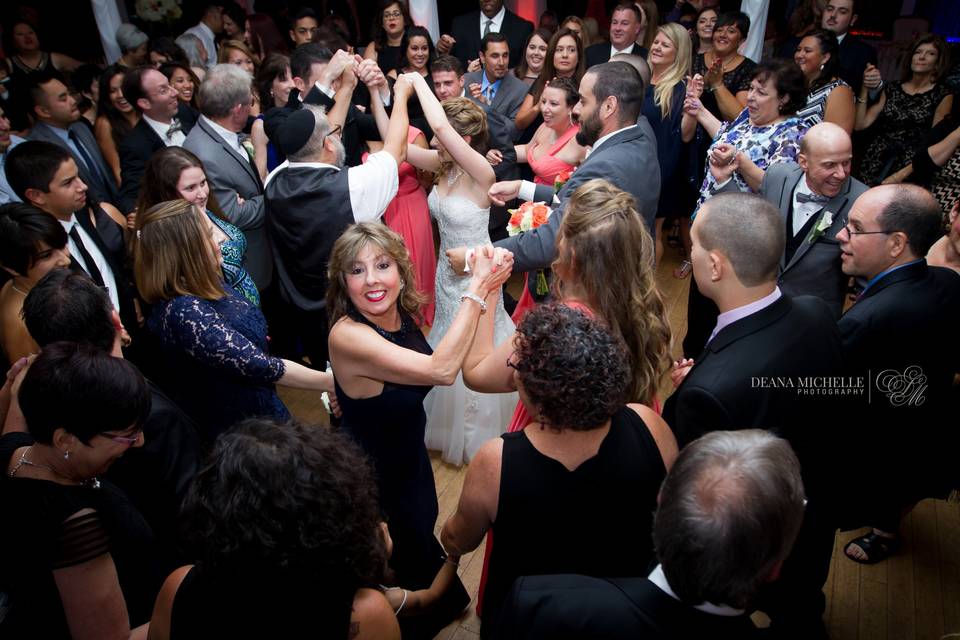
766 145
217 367
234 249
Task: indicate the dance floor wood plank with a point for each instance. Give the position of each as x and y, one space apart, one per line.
913 595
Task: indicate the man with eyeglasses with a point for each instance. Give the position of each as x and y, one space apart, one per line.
166 452
313 196
901 335
164 122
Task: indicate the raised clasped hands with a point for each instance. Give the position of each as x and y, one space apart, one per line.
694 86
334 69
370 74
403 87
491 267
871 77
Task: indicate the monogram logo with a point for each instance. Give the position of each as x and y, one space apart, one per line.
903 389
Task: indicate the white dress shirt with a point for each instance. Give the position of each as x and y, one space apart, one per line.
496 21
658 578
373 184
176 140
627 49
109 281
232 138
802 212
208 38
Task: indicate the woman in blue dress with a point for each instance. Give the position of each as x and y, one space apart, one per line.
213 341
174 172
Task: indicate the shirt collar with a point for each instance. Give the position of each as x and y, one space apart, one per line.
68 224
497 19
658 578
840 38
159 127
627 49
886 272
286 163
727 318
231 137
596 145
484 82
202 26
63 134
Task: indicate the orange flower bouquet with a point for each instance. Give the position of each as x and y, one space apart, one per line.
530 215
561 180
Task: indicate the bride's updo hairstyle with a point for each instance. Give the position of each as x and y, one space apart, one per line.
606 253
468 119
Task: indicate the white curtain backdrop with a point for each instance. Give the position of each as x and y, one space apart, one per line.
752 47
424 13
107 15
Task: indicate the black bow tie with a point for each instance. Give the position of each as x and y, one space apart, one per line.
804 198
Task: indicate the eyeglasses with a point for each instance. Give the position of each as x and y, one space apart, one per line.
851 232
392 14
127 440
335 131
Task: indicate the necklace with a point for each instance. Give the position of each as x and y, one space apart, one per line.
18 289
453 176
91 483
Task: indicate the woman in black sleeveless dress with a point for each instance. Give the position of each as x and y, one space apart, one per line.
384 368
578 487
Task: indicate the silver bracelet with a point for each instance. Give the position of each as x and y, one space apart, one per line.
480 301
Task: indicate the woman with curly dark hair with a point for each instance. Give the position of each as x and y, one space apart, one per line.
581 480
285 523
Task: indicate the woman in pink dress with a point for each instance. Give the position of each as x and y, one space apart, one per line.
409 215
552 151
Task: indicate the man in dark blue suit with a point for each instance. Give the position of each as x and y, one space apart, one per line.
900 334
624 31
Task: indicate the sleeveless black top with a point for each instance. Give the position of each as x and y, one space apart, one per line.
390 428
595 520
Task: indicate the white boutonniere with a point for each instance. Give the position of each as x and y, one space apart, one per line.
825 222
248 147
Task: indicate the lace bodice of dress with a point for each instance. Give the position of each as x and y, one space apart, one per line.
461 222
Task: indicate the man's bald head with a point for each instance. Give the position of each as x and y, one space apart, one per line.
825 154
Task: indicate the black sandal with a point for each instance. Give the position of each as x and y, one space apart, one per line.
875 546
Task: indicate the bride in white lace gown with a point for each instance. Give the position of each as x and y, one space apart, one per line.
459 420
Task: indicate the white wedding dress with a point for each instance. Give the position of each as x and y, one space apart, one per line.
460 420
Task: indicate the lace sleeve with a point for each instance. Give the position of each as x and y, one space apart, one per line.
193 325
80 539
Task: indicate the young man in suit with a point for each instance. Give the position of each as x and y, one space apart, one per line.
57 120
468 29
624 31
624 153
728 514
46 176
900 334
494 85
217 140
814 197
164 122
763 350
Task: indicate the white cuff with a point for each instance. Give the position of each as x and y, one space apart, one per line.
528 190
327 91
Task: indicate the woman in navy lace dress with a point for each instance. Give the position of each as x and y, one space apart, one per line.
214 340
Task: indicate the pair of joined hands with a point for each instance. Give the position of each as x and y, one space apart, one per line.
491 266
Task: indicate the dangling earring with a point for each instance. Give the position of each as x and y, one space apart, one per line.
402 283
822 66
66 455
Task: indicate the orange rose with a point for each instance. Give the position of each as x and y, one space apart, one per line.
540 215
516 215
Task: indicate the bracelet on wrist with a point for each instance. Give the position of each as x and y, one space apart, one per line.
474 297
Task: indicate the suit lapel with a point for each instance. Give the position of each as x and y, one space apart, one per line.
834 207
243 161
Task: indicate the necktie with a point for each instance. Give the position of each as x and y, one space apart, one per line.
804 198
486 26
88 161
175 126
491 91
92 269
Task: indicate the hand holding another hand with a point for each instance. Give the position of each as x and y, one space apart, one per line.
494 157
502 192
694 86
491 267
871 77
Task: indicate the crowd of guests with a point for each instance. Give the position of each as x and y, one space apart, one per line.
252 202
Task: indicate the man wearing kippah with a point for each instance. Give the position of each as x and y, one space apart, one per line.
311 199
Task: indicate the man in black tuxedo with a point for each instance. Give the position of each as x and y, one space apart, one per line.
164 122
468 29
624 31
901 333
814 198
763 353
728 514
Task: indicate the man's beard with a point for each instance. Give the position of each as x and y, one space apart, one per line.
589 131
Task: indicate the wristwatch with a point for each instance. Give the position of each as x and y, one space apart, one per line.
480 301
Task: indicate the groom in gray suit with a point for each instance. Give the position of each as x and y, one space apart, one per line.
814 197
216 139
624 152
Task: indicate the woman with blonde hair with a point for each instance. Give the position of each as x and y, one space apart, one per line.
670 57
385 368
602 240
214 341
